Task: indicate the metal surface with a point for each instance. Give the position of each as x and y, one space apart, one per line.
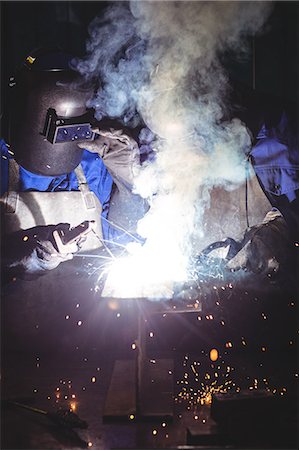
162 305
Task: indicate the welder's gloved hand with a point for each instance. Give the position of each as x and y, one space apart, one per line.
266 248
120 153
30 253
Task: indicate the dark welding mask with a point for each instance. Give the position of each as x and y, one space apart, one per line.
49 115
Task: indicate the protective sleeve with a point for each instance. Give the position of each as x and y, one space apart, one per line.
120 154
275 159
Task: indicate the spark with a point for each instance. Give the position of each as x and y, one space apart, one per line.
73 406
193 369
214 354
142 273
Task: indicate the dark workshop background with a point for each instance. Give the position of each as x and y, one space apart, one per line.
27 25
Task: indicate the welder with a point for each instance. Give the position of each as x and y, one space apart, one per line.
59 171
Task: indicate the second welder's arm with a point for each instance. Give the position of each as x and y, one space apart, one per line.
120 154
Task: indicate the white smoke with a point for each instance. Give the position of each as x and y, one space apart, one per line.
161 60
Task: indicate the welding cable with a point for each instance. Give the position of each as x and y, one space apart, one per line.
117 227
246 189
64 417
234 248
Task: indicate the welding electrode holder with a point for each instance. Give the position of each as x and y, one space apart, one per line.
66 242
233 248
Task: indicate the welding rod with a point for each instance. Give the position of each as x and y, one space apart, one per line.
169 306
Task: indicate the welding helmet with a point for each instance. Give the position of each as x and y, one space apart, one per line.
48 115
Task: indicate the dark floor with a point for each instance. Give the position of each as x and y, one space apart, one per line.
60 341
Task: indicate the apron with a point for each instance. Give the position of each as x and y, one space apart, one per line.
62 298
231 212
24 210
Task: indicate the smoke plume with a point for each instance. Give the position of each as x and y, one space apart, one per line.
160 62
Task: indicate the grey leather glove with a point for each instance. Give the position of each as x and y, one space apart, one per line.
266 248
120 154
30 253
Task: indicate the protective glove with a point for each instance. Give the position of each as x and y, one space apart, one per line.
30 253
120 154
266 248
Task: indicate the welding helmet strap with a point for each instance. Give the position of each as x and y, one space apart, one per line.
13 186
13 175
88 197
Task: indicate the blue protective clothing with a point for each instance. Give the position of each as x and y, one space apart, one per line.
275 158
97 176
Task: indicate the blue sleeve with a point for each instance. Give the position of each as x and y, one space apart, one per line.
275 158
100 182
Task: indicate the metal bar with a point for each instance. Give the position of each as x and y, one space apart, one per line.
172 306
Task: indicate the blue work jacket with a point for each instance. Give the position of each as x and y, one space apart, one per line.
275 158
97 176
